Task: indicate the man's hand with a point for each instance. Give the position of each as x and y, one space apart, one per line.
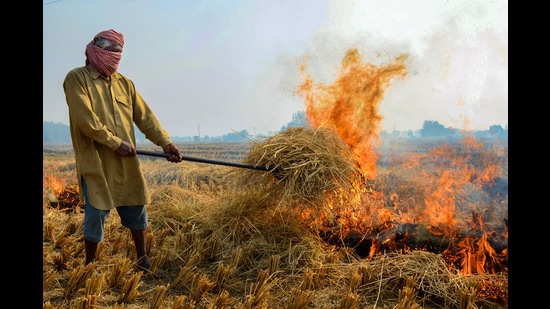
126 149
173 149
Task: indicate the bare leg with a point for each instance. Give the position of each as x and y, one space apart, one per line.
143 262
139 237
90 248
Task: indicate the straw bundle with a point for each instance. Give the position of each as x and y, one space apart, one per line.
307 164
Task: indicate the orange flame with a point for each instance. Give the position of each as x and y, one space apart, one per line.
350 105
53 183
431 194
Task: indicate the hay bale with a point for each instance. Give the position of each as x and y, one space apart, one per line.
307 164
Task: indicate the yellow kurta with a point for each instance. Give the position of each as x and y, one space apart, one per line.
102 114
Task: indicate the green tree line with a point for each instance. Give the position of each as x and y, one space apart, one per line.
59 133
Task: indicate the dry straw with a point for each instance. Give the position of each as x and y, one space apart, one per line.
117 272
159 296
300 299
94 285
201 288
130 290
78 279
223 300
307 164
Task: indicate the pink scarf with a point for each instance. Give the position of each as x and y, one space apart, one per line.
106 62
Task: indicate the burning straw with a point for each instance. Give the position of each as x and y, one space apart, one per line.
308 164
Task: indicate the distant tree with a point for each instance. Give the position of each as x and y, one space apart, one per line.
496 130
241 136
385 135
432 128
55 133
299 119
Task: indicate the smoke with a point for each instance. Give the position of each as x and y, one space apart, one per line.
458 58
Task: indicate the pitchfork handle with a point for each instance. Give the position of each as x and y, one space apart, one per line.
202 160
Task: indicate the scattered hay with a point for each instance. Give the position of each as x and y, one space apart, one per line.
424 274
227 251
307 164
201 288
300 299
77 279
94 285
159 296
117 272
130 290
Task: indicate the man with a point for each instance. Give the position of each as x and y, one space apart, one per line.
103 108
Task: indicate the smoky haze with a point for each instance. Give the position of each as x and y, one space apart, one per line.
228 66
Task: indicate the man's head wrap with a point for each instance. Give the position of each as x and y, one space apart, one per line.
106 62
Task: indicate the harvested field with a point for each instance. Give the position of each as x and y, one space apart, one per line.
235 238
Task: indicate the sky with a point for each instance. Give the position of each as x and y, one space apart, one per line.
214 67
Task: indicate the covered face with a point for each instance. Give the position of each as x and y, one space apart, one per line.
105 51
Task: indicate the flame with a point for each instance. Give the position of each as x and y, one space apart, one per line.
54 184
435 200
350 105
59 190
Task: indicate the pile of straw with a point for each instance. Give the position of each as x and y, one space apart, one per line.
306 164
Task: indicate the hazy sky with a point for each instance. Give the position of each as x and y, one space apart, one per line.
213 67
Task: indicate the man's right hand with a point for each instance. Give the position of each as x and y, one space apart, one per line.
173 149
126 149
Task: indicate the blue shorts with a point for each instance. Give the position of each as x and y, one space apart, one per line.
132 217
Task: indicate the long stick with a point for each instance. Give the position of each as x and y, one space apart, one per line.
194 159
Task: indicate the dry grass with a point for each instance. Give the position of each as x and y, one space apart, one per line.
308 164
229 243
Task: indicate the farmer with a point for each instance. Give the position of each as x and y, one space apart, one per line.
104 106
